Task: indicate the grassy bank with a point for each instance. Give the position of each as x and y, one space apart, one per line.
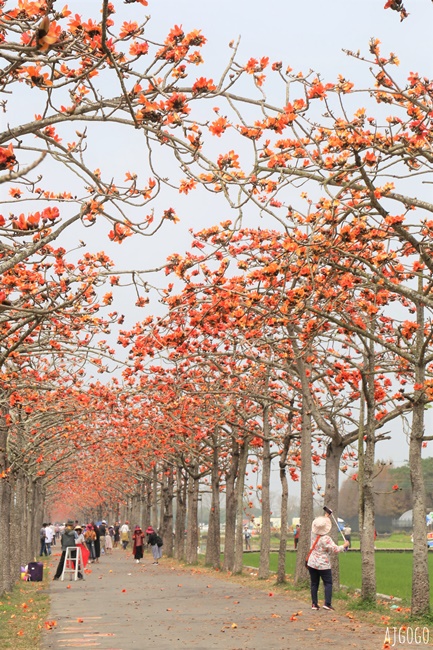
23 615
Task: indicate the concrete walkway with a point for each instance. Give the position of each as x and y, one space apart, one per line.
123 605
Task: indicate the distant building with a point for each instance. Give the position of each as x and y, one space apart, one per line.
406 519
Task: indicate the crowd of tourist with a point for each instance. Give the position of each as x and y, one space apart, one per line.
96 539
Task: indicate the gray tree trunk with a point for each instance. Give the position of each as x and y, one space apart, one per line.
167 515
240 484
6 580
265 539
18 523
281 572
306 506
230 529
192 520
180 521
420 572
148 518
154 517
213 544
368 568
332 469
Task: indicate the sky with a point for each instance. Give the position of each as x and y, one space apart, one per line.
305 35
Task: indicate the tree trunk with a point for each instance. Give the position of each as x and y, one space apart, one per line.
332 469
265 539
192 520
167 515
281 572
306 507
213 544
368 570
5 503
6 581
148 518
230 528
179 538
135 508
143 505
420 572
154 517
240 484
18 525
38 511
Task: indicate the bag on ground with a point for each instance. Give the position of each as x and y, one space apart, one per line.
35 571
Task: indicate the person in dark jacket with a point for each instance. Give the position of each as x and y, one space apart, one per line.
152 541
43 550
68 539
97 542
116 538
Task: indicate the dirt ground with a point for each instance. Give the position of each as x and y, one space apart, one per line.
122 605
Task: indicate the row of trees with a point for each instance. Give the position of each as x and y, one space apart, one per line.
295 340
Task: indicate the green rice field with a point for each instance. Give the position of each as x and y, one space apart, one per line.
393 570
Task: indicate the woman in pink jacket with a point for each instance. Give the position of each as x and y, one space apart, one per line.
319 563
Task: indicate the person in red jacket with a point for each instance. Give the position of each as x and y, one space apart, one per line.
138 543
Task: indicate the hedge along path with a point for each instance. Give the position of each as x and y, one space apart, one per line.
123 605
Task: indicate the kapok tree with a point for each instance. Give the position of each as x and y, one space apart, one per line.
370 167
271 262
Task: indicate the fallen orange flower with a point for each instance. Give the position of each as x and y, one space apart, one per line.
50 624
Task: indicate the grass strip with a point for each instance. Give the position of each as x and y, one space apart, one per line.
23 615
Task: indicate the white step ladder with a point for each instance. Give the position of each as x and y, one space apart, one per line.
73 563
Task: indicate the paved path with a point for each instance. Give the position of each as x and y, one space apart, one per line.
122 605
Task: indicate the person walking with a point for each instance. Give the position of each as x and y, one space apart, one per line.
48 539
247 537
102 532
318 560
155 543
109 540
97 542
80 542
43 550
90 537
296 534
138 542
124 535
116 535
68 539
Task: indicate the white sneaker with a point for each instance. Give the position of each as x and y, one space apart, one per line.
137 561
